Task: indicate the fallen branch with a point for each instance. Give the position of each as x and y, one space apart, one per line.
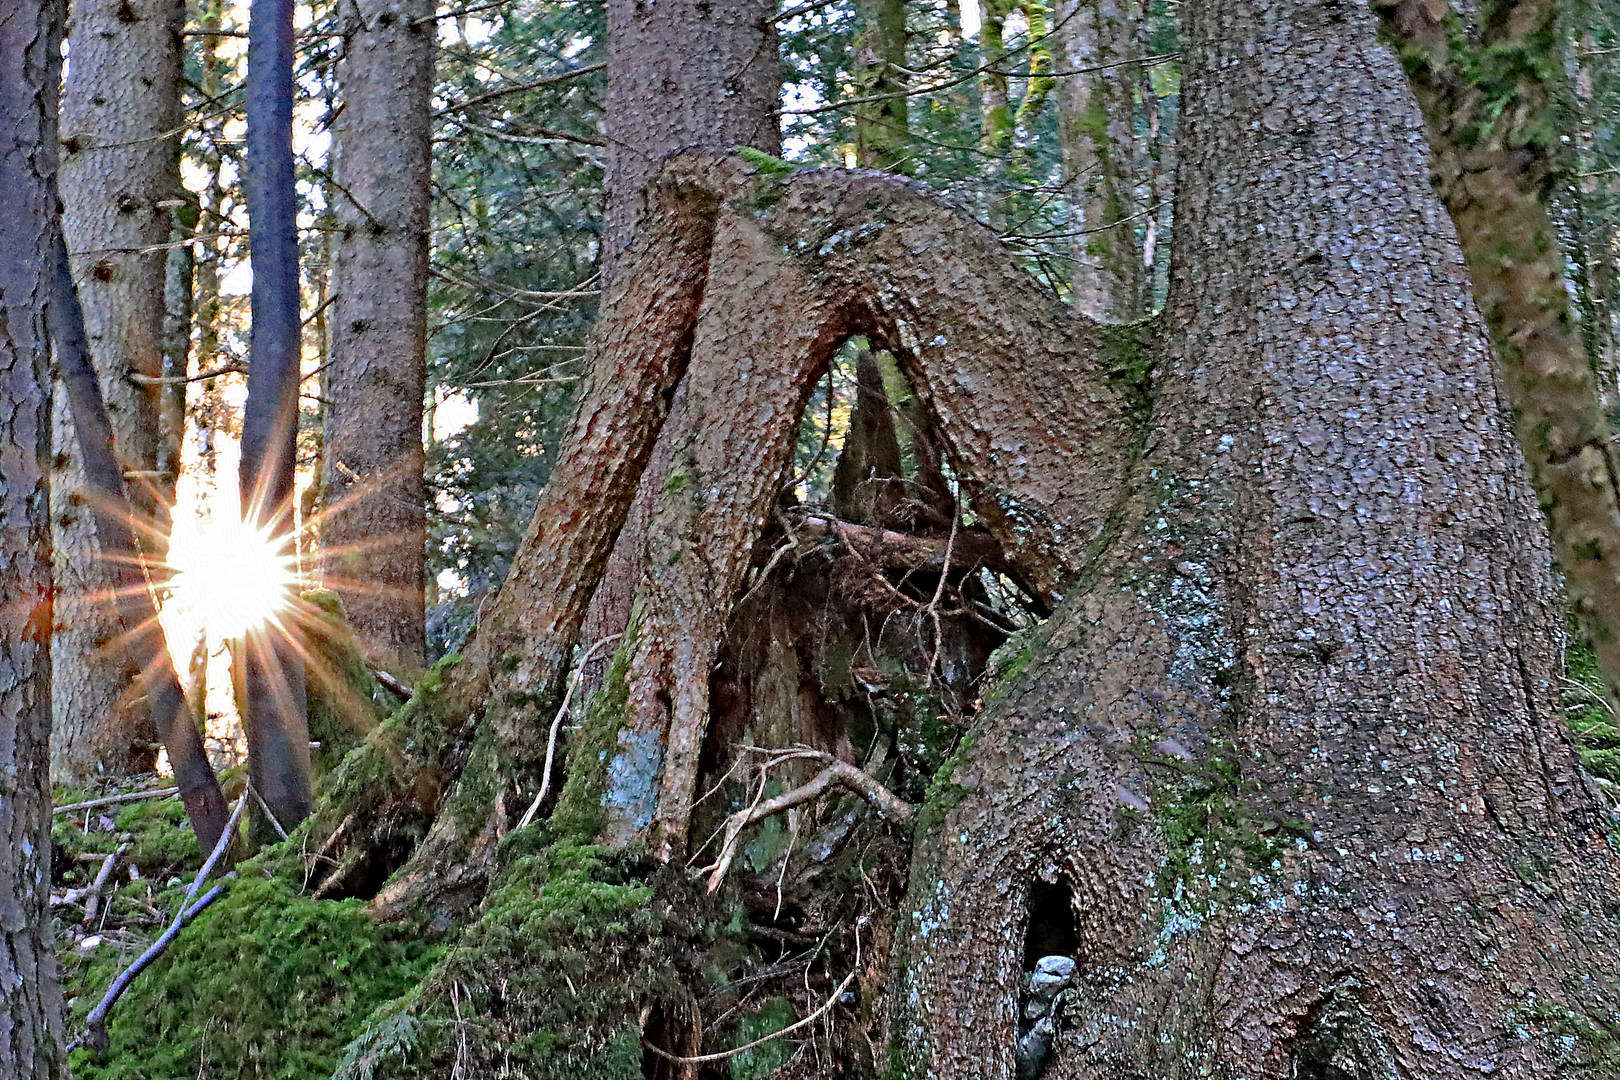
835 774
109 800
92 901
95 1034
392 685
556 723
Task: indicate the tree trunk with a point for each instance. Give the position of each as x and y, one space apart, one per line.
374 534
120 175
1287 780
882 135
30 1006
275 714
680 75
1097 134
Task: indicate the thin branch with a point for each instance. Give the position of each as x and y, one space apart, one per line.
836 774
722 1055
556 723
95 1024
549 80
110 800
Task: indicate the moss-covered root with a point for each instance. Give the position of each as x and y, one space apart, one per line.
571 953
379 801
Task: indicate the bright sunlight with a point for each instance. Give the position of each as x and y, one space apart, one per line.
230 577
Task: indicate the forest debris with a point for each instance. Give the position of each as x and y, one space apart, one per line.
556 722
123 797
95 1035
836 773
92 903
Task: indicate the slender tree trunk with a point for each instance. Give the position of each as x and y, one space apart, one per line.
881 126
1097 134
30 1006
120 176
375 531
275 715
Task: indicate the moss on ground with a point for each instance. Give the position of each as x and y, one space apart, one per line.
550 980
266 983
1586 708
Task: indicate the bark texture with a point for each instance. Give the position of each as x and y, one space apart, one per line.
1097 134
374 533
684 74
30 1007
119 179
1492 117
1292 762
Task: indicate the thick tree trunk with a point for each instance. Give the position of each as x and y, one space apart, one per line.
1287 780
30 1007
374 533
120 175
1492 118
680 75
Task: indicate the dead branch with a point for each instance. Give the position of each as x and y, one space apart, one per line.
92 900
109 800
95 1025
836 773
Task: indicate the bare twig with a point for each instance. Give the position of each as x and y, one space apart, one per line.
556 723
836 773
110 800
722 1055
95 1035
92 901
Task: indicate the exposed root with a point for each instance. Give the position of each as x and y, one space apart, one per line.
835 774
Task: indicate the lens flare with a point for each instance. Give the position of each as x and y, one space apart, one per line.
229 576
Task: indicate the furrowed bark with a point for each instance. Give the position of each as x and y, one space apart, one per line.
30 1002
1260 774
1492 117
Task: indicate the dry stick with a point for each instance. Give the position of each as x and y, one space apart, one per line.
109 800
95 1035
722 1055
556 723
92 902
269 814
393 685
836 774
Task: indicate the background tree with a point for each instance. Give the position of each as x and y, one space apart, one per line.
274 704
120 106
374 532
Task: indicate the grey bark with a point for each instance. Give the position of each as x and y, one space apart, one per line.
374 534
1296 750
1097 135
120 169
30 1006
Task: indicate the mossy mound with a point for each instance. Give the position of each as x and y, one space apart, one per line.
550 981
266 983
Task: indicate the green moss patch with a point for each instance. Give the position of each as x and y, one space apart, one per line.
266 983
